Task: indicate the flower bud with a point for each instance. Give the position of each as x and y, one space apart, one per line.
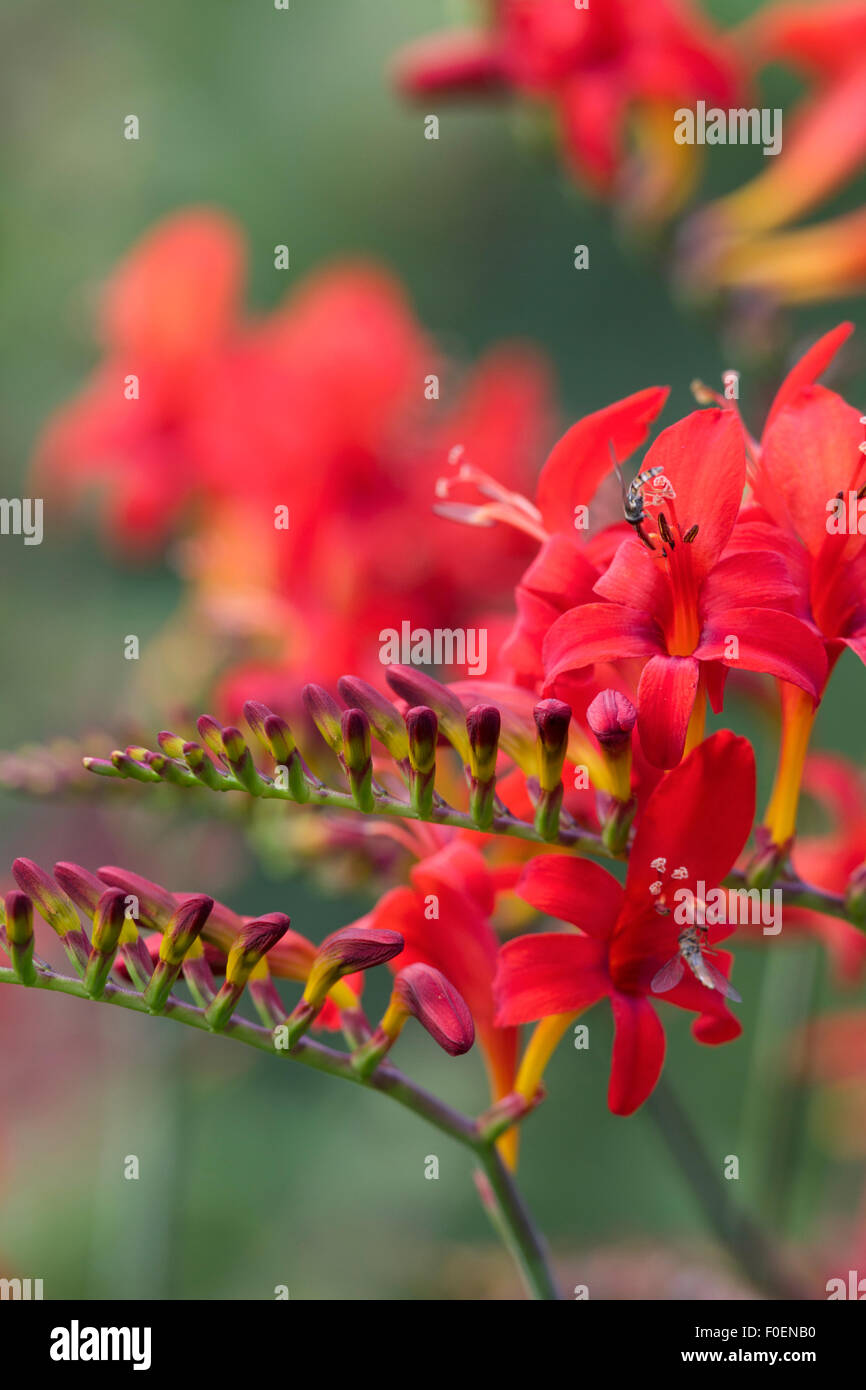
241 761
109 920
181 932
325 714
483 725
50 901
383 716
202 767
422 726
254 941
416 688
285 754
55 907
211 734
255 713
611 717
155 904
83 887
171 744
427 995
184 927
132 768
355 731
552 719
347 950
19 935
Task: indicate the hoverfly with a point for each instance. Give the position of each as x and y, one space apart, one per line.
692 943
632 497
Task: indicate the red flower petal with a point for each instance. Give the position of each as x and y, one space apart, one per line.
638 1052
598 632
548 973
666 698
635 580
703 457
573 890
681 822
810 366
581 459
769 641
810 453
747 580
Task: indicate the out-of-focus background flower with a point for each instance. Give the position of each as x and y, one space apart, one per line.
254 1175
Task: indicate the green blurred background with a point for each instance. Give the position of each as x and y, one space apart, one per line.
255 1175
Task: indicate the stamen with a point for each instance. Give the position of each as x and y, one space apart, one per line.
665 531
511 508
690 534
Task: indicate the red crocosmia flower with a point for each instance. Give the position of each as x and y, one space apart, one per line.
563 573
811 452
444 919
685 606
597 66
168 313
623 941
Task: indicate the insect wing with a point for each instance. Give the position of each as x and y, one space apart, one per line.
721 984
668 976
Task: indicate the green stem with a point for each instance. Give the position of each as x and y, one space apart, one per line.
391 807
800 894
522 1239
